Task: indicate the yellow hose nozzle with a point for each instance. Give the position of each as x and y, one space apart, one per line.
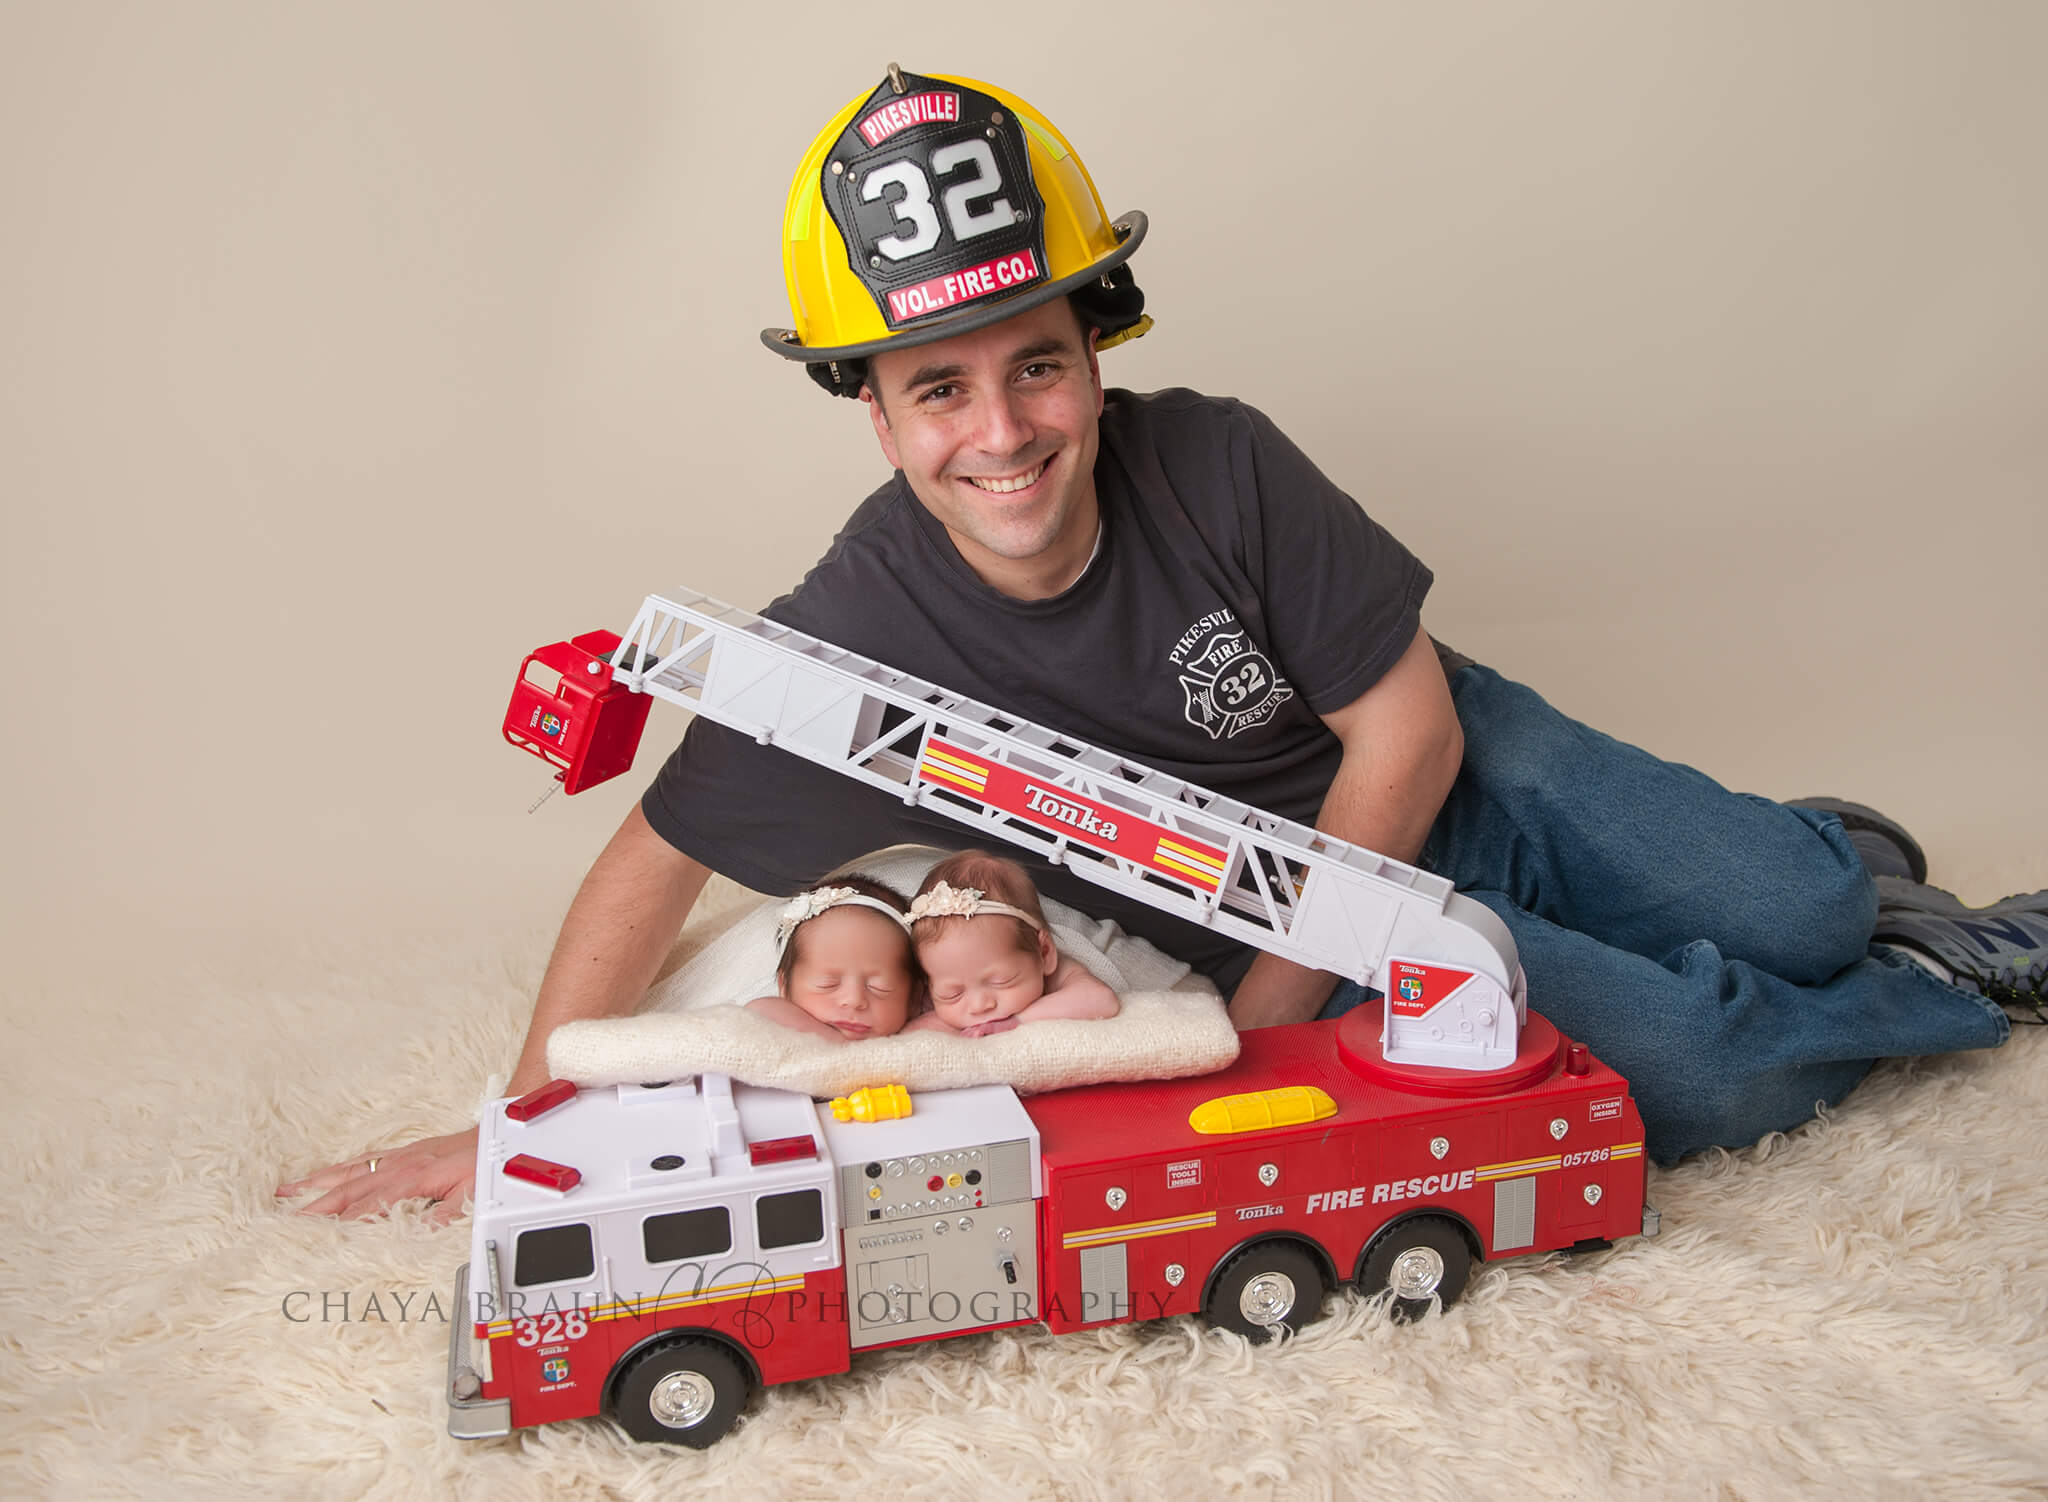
874 1103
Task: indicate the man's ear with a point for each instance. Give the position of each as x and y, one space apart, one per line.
881 421
1095 367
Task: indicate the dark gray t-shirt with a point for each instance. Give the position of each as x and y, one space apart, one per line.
1235 595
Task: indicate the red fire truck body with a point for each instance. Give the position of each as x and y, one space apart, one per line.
652 1252
715 1236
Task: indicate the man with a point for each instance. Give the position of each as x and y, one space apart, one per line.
1169 577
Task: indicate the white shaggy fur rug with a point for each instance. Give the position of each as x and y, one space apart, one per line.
1857 1309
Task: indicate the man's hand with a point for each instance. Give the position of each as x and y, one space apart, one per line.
435 1168
619 928
1275 991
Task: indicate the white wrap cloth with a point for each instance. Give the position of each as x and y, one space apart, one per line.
1172 1022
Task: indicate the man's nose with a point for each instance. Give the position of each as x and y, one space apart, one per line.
1004 428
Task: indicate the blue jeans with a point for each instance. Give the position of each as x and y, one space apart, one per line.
1712 946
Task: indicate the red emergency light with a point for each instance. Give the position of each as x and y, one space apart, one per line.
559 1177
570 711
781 1150
540 1102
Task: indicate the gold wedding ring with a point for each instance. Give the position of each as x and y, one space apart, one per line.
373 1165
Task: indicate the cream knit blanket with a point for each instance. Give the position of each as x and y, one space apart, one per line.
1172 1023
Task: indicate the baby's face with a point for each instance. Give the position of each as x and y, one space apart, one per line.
852 972
976 973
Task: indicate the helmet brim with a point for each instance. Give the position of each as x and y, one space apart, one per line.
1130 231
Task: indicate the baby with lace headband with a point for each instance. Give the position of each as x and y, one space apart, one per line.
987 955
846 968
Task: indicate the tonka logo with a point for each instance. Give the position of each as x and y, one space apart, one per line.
1258 1212
1064 811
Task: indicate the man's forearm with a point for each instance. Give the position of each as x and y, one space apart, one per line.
1387 793
625 917
1366 806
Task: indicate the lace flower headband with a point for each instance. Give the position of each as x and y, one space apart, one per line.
945 901
805 906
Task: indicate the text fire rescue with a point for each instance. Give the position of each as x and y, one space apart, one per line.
1393 1189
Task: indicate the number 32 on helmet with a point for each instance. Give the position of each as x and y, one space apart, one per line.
935 206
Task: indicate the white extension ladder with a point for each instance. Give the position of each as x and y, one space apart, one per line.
1446 964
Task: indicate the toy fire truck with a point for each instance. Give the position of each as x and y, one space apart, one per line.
652 1252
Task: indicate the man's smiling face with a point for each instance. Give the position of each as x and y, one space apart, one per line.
996 433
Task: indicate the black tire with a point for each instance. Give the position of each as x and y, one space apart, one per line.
1264 1288
689 1393
1427 1256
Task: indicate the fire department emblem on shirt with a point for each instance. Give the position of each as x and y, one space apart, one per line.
555 1369
1229 683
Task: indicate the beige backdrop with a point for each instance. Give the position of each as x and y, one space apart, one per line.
348 352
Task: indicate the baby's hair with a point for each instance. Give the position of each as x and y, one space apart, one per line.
993 876
867 886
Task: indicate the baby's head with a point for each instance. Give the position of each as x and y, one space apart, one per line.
847 958
985 956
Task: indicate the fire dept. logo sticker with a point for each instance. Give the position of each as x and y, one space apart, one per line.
555 1369
550 724
1229 684
1418 988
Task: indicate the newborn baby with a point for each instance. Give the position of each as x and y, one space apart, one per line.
987 956
846 969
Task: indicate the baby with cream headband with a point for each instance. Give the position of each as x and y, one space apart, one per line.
987 954
845 967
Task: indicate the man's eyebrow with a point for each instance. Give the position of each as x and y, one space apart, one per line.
931 375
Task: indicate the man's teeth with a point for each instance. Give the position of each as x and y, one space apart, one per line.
1004 487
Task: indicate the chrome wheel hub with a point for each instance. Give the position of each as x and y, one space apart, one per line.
682 1400
1268 1299
1417 1272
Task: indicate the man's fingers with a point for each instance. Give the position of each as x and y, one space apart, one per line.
433 1168
324 1178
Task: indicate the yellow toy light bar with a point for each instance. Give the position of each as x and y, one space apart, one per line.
1261 1110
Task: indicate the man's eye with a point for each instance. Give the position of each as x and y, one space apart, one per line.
939 393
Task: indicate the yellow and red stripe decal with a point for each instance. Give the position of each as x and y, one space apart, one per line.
952 766
1523 1167
1137 1230
1073 817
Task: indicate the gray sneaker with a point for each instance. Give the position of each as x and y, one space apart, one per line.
2000 951
1883 843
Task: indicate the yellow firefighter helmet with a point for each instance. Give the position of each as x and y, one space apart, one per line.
932 206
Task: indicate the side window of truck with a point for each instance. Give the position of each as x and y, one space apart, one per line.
795 1219
553 1254
685 1234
